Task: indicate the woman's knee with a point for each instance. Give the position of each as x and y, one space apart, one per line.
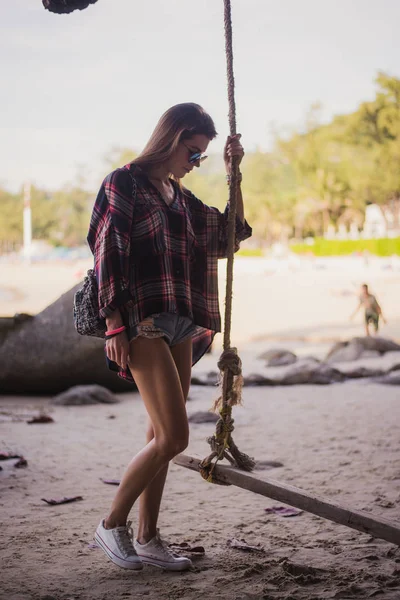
149 433
170 446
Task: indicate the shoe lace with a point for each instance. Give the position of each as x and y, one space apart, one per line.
125 537
163 547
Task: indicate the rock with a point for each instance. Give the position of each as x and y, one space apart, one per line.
360 371
353 349
311 359
344 352
203 417
391 378
7 324
312 373
278 357
45 355
370 354
254 379
378 344
85 394
305 370
211 378
22 317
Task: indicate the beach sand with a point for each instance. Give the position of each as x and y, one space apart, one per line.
340 441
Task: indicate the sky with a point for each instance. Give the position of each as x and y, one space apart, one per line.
73 87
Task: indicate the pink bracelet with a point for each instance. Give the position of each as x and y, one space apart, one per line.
115 331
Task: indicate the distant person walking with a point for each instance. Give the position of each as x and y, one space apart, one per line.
372 309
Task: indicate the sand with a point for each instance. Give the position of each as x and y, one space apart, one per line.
341 441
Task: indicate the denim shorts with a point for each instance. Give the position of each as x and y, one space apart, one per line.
173 328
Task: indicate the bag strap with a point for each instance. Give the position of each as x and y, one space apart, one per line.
134 184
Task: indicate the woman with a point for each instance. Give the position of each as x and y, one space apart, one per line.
156 247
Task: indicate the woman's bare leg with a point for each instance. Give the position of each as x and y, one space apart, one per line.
155 372
150 499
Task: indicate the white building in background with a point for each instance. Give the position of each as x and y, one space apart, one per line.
375 225
354 234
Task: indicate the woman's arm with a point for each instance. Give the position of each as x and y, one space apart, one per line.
114 320
109 240
117 347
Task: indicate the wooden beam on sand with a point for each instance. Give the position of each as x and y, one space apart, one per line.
317 505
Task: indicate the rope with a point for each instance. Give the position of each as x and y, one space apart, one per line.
230 365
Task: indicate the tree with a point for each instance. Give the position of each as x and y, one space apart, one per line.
11 207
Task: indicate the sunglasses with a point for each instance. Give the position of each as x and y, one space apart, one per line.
195 157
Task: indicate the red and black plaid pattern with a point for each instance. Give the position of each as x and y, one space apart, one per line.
152 258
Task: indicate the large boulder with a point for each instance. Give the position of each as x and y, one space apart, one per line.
353 349
45 355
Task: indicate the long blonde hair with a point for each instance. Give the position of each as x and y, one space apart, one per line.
180 122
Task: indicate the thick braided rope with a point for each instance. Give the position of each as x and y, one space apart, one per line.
221 443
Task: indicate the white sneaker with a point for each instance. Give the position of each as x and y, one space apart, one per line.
157 553
117 545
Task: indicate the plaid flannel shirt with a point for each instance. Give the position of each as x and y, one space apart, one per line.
151 258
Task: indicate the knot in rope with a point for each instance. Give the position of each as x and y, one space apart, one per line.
230 359
230 367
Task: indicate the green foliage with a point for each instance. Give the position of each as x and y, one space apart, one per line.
60 217
343 165
323 247
253 252
11 207
72 209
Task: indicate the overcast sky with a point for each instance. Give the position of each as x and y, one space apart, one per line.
75 86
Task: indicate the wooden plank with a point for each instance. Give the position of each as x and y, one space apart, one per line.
317 505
